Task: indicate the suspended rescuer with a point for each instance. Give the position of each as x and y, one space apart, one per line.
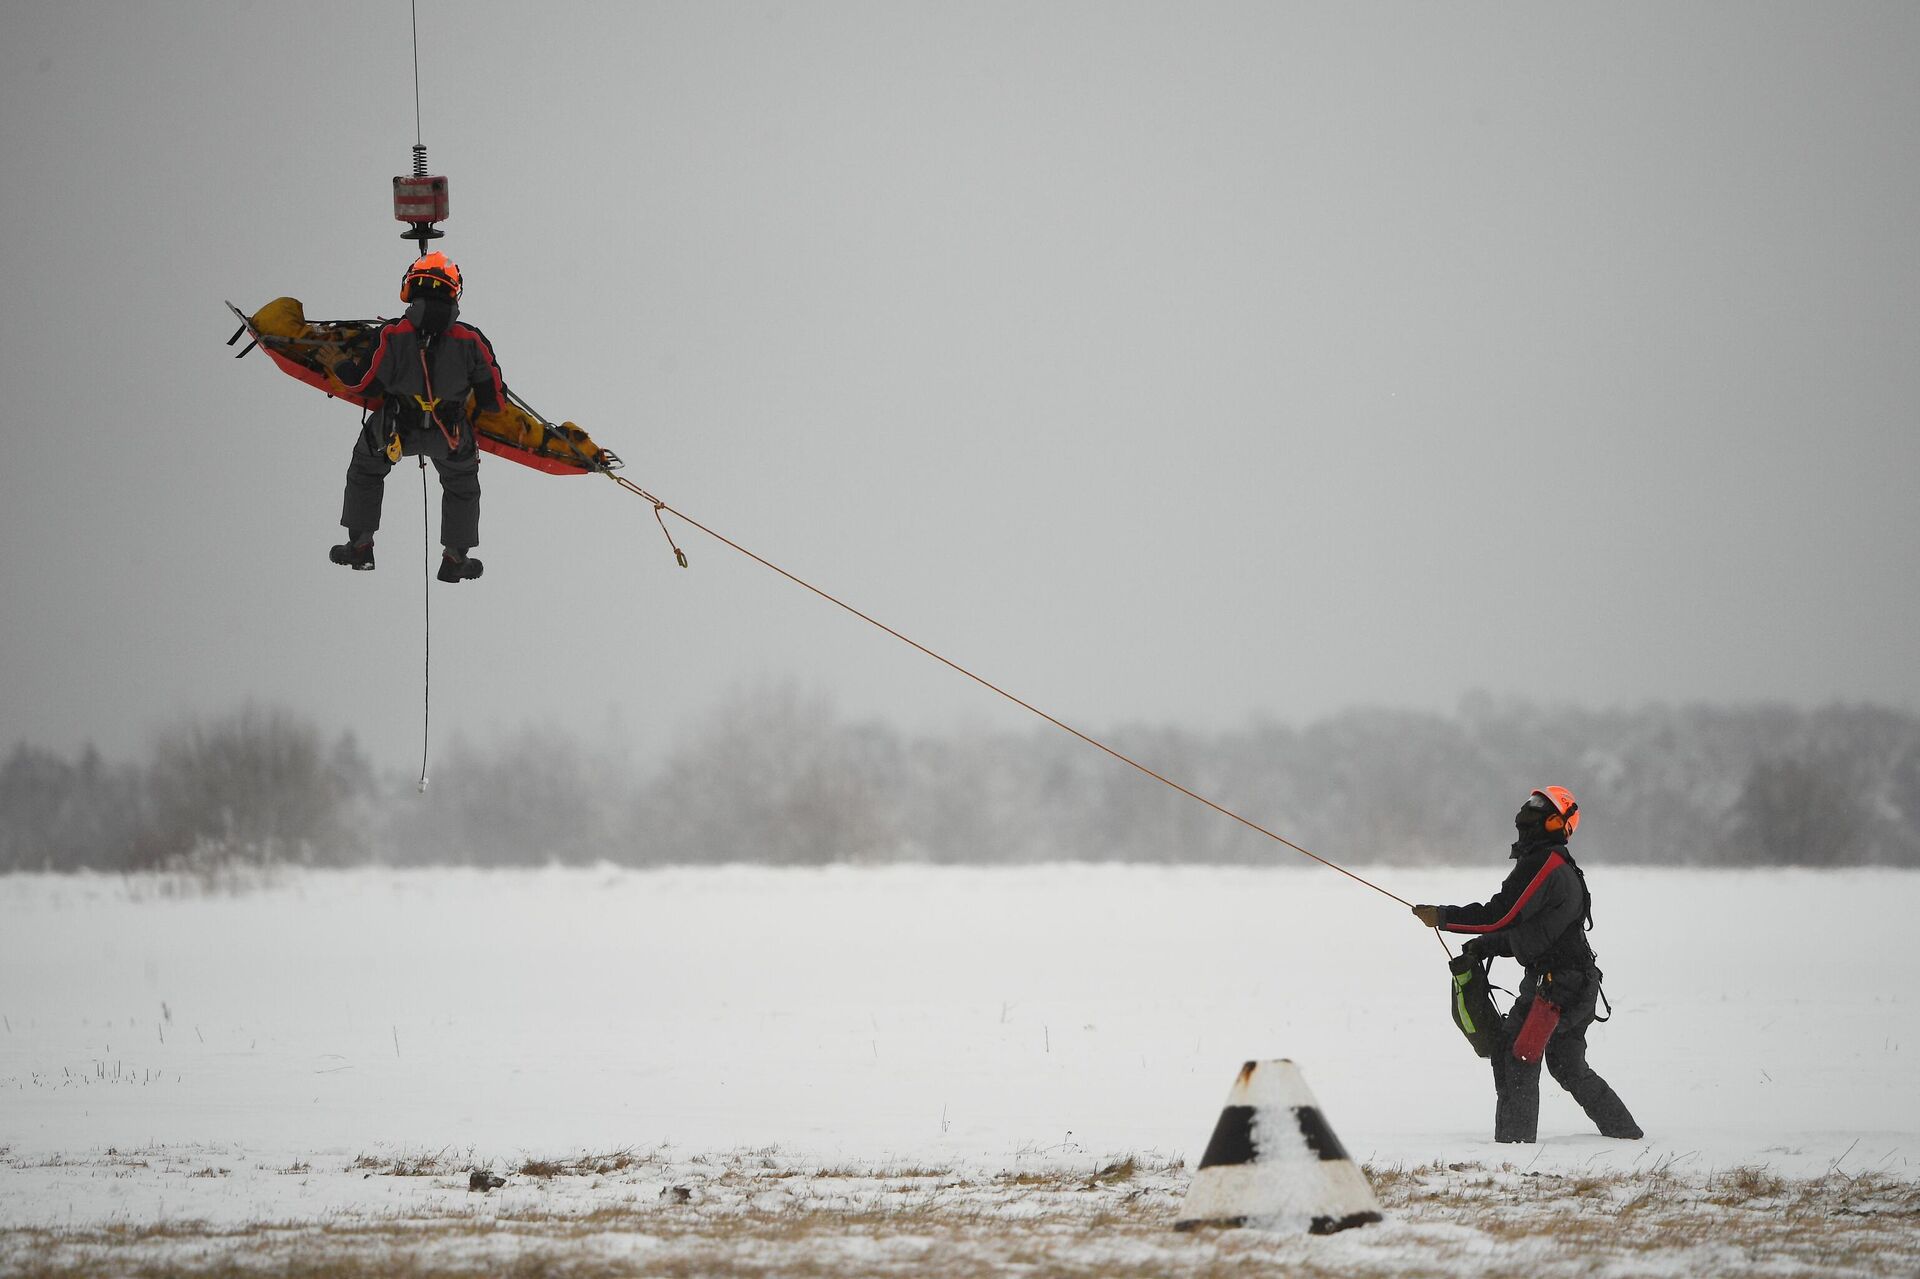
1540 917
425 365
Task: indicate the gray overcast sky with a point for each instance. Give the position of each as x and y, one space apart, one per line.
1178 362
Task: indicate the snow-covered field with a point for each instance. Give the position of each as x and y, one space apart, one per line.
845 1067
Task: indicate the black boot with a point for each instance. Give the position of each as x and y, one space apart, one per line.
1609 1114
461 568
355 554
1516 1107
1567 1060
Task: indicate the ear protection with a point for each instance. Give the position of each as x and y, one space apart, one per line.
1564 809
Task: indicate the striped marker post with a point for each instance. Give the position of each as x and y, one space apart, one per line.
1274 1163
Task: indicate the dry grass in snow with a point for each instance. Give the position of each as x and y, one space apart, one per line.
760 1213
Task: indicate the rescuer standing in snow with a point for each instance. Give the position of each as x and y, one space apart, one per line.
425 365
1540 917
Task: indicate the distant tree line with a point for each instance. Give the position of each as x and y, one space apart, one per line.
777 777
255 786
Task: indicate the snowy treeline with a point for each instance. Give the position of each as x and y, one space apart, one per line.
256 786
777 777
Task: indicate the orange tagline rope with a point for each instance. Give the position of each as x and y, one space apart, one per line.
660 506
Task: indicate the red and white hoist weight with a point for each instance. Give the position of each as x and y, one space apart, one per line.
420 200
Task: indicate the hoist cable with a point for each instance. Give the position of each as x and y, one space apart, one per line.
414 7
426 542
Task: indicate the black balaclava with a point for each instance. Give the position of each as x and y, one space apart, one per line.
1531 824
432 312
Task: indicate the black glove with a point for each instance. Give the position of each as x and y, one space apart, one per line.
1487 947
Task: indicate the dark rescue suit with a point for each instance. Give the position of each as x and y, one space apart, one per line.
1538 917
426 364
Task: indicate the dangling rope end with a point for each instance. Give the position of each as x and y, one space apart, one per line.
659 513
426 629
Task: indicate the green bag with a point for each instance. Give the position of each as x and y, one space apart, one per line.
1473 1010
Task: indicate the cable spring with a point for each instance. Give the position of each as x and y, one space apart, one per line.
419 160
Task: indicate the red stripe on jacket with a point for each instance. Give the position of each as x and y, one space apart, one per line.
479 339
1554 862
379 350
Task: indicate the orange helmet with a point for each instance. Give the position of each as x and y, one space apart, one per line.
434 271
1566 809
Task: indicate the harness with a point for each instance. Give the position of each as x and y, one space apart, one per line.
1600 991
428 404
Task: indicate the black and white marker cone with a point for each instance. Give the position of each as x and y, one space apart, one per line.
1274 1163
